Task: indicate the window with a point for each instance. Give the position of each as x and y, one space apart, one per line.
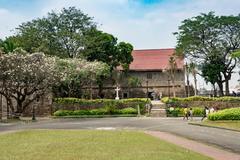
149 75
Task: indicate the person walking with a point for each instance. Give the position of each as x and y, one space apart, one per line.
191 113
185 112
205 113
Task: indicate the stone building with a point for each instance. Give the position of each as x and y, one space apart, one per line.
151 68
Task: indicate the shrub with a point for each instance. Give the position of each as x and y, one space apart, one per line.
178 111
98 112
63 113
226 114
110 105
201 98
81 112
198 111
129 110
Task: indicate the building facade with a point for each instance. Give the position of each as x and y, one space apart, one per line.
151 68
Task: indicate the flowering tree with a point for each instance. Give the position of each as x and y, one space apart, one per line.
77 73
23 78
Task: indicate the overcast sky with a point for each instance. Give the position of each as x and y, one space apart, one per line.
147 24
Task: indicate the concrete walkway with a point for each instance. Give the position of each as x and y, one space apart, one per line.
204 149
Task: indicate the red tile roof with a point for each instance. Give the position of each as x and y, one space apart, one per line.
153 59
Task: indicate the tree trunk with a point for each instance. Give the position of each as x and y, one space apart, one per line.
220 85
173 87
195 83
226 87
188 90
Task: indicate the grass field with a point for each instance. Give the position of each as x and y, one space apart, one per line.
223 124
89 145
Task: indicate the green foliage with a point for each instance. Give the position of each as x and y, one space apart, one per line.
200 98
210 40
7 46
129 110
63 113
77 73
104 47
100 111
178 111
107 106
100 101
110 107
165 99
61 34
226 114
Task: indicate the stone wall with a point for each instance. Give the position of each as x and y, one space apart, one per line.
42 108
151 81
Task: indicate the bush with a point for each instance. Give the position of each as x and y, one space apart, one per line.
226 114
81 112
63 113
178 111
110 105
98 112
198 111
101 111
200 98
129 110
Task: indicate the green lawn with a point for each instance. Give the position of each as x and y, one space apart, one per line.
224 124
89 145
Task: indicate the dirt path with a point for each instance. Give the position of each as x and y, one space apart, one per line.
201 148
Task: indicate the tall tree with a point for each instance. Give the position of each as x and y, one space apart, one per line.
60 34
25 77
104 47
204 36
172 71
193 71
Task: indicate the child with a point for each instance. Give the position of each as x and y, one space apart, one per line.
191 113
185 112
205 113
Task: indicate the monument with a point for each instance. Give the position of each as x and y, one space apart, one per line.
117 93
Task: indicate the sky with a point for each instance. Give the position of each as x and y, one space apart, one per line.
146 24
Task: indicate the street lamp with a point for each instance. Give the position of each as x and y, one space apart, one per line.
34 108
168 86
147 89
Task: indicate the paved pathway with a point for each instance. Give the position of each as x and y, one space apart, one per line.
204 149
225 139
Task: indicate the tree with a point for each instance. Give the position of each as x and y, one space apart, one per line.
193 71
23 78
211 71
61 34
204 36
7 46
187 76
104 47
172 69
78 73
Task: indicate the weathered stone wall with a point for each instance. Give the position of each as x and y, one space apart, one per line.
42 108
151 81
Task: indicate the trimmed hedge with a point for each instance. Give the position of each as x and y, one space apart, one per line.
109 105
62 113
200 98
226 114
